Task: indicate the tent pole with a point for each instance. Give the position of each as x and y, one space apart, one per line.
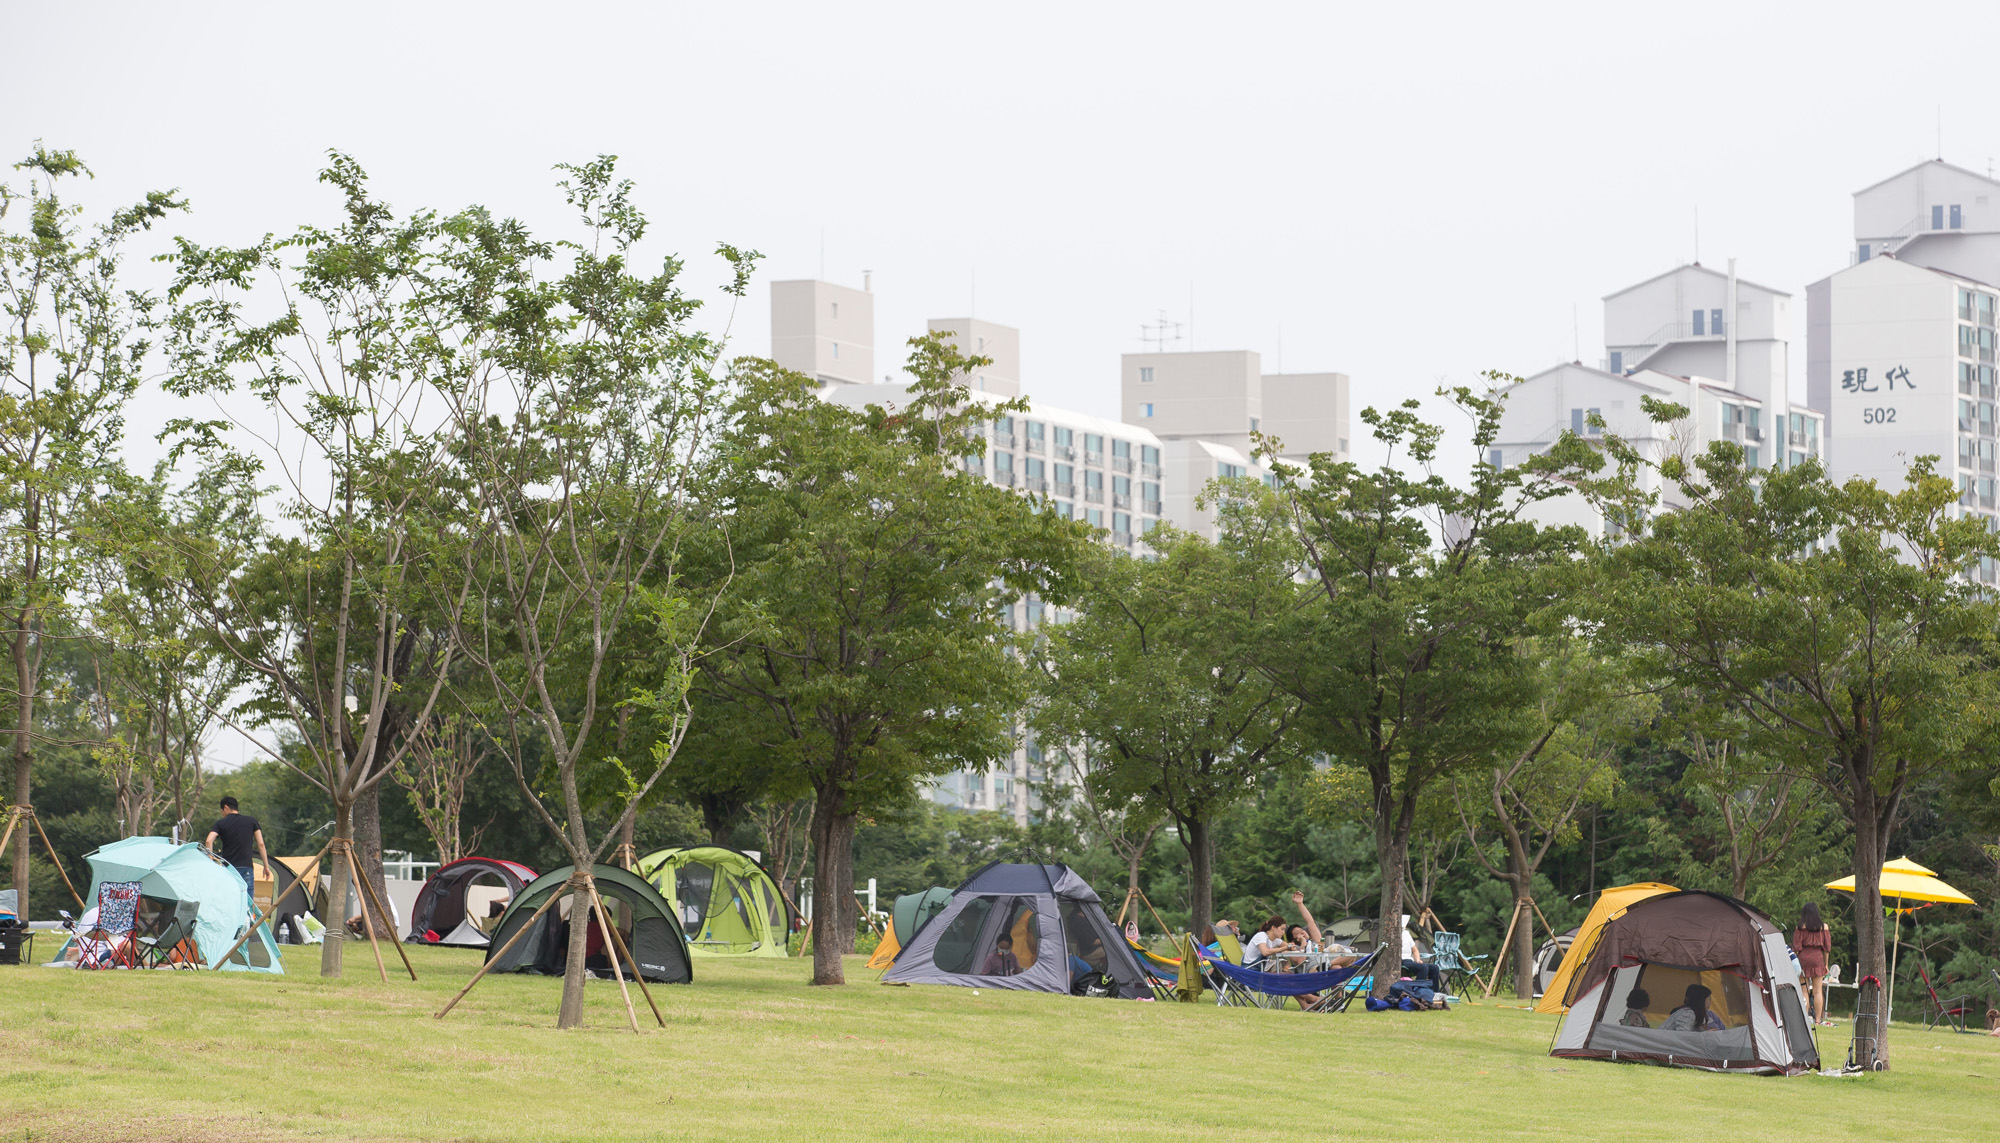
611 953
297 882
504 950
1506 944
369 887
1894 956
367 922
633 961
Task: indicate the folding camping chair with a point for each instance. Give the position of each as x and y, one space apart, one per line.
164 933
1228 993
1941 1012
1161 974
110 942
1449 957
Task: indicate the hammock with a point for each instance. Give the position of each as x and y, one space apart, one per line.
1286 983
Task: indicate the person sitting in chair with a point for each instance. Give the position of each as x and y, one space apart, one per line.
1345 957
1636 1003
1001 961
1267 941
1693 1015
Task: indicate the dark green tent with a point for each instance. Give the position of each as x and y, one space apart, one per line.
912 910
644 919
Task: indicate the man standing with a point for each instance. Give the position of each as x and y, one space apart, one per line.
237 832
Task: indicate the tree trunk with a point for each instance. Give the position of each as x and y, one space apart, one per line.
1869 944
1392 850
571 1013
628 850
833 884
336 898
24 764
1524 942
368 850
1198 839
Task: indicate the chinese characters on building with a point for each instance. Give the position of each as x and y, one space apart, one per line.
1857 380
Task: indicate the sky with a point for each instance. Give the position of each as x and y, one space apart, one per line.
1408 194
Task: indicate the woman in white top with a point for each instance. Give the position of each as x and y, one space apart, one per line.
1265 942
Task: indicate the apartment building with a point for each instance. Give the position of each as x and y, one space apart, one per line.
1901 344
1224 397
823 330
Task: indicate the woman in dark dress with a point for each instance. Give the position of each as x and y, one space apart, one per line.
1813 941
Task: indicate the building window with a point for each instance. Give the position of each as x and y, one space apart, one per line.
836 351
1031 467
1967 374
1003 462
1957 220
1617 361
1094 517
1093 442
1147 526
1701 323
1595 414
1864 252
1253 424
1715 322
1343 444
1576 415
1065 437
1146 410
1065 510
1065 474
1149 491
1496 458
1121 486
1145 375
1228 470
1035 429
1937 218
1149 454
1750 458
1121 522
1094 479
1122 449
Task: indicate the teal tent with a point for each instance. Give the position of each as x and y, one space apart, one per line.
188 873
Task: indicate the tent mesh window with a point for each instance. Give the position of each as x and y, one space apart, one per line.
958 945
693 885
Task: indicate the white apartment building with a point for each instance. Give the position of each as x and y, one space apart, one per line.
1901 345
1224 396
1694 337
824 331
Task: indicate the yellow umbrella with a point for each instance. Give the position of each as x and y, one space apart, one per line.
1905 880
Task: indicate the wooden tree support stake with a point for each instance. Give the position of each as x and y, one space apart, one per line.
611 951
631 960
312 868
497 957
14 817
1506 949
367 922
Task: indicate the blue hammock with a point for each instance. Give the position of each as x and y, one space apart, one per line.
1286 983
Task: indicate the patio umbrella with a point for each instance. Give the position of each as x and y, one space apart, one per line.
1904 880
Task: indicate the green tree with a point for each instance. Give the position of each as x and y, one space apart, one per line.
1408 662
1836 621
861 638
1154 681
72 353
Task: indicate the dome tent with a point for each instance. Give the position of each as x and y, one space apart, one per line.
911 912
1584 937
186 872
1045 912
1666 945
448 911
645 920
724 899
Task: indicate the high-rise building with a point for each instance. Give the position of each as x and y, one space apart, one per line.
824 331
977 338
1224 397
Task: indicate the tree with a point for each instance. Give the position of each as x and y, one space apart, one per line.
583 396
1531 798
1757 808
1155 680
1407 662
71 355
861 638
335 623
444 757
1836 621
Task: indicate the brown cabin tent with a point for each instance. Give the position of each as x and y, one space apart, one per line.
1662 946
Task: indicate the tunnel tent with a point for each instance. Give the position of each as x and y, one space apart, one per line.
1665 946
1573 954
174 874
645 921
455 905
1058 938
724 899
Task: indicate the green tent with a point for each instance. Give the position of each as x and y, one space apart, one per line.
725 901
187 874
913 910
642 917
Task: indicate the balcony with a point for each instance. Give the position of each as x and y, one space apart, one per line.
1094 495
1150 471
1035 484
1153 508
1003 440
1122 539
1118 501
1094 459
1037 444
1066 491
1063 452
1004 479
1121 464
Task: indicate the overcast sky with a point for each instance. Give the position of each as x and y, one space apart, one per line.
1405 193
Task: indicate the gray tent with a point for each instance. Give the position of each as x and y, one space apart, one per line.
1037 928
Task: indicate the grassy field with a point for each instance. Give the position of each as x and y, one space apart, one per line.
751 1052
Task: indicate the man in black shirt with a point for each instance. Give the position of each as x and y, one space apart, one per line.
237 832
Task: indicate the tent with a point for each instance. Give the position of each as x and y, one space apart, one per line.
724 899
644 919
1549 959
911 912
279 877
1608 902
456 906
170 875
1055 925
1665 945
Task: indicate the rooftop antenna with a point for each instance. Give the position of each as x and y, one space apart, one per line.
1281 347
1190 317
1161 334
974 312
1575 335
822 253
1697 235
1940 132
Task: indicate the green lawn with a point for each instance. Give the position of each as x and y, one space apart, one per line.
752 1052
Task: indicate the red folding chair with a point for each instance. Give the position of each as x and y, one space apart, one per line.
110 943
1943 1012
